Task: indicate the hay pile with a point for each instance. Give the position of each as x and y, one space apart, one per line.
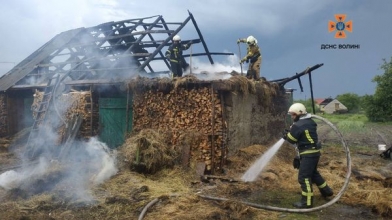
148 151
242 84
370 184
278 174
236 83
183 81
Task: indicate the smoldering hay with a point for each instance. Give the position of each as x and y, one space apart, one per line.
88 165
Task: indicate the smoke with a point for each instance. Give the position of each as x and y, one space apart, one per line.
208 71
58 169
14 179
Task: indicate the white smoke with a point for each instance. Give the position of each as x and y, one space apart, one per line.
208 71
102 162
14 178
84 165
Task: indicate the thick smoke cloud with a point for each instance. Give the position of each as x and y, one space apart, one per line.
83 166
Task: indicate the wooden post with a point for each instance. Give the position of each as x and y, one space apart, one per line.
311 92
213 130
127 113
224 132
7 102
92 111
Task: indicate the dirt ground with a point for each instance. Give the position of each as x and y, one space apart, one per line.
369 194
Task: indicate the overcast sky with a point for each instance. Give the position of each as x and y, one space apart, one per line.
290 33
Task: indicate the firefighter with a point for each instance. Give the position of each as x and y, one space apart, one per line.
303 133
175 57
254 56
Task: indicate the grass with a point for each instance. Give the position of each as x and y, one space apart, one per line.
346 117
349 123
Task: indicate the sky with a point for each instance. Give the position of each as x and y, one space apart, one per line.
289 33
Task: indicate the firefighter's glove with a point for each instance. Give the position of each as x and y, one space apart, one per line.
285 132
238 41
243 60
296 162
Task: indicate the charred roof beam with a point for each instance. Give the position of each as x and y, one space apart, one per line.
201 37
160 52
169 38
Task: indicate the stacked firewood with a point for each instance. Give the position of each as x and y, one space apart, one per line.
183 111
38 96
89 126
75 103
3 115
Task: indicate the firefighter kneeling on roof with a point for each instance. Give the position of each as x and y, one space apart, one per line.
254 56
303 133
175 57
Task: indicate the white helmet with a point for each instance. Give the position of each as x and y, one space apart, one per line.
177 38
298 109
251 40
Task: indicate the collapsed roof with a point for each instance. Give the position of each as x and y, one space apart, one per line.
111 52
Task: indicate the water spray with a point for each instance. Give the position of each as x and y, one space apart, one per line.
329 203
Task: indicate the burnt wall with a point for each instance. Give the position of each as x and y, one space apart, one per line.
3 115
255 118
19 114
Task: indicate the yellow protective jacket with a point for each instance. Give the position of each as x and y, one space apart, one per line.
253 52
174 53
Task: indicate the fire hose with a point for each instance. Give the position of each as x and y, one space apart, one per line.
329 203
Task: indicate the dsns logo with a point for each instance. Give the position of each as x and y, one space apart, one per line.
340 26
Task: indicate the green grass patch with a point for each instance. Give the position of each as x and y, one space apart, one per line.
347 126
346 117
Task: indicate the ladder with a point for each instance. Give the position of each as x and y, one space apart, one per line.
41 115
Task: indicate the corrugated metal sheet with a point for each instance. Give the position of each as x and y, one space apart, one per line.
28 64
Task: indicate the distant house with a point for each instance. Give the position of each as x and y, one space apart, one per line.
330 106
321 103
318 101
335 107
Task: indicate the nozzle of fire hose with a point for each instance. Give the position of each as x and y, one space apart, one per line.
284 133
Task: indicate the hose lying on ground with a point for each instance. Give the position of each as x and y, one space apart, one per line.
332 201
144 211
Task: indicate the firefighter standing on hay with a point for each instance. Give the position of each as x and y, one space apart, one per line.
254 56
175 57
303 133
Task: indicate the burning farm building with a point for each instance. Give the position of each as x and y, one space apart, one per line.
100 81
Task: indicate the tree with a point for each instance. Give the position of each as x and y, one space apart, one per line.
378 107
351 100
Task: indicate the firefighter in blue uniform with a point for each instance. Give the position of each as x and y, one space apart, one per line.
175 57
303 133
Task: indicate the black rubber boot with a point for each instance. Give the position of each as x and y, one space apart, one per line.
303 203
326 191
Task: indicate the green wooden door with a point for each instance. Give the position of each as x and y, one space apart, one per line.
27 112
112 119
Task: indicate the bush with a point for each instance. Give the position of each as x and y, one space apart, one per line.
378 107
